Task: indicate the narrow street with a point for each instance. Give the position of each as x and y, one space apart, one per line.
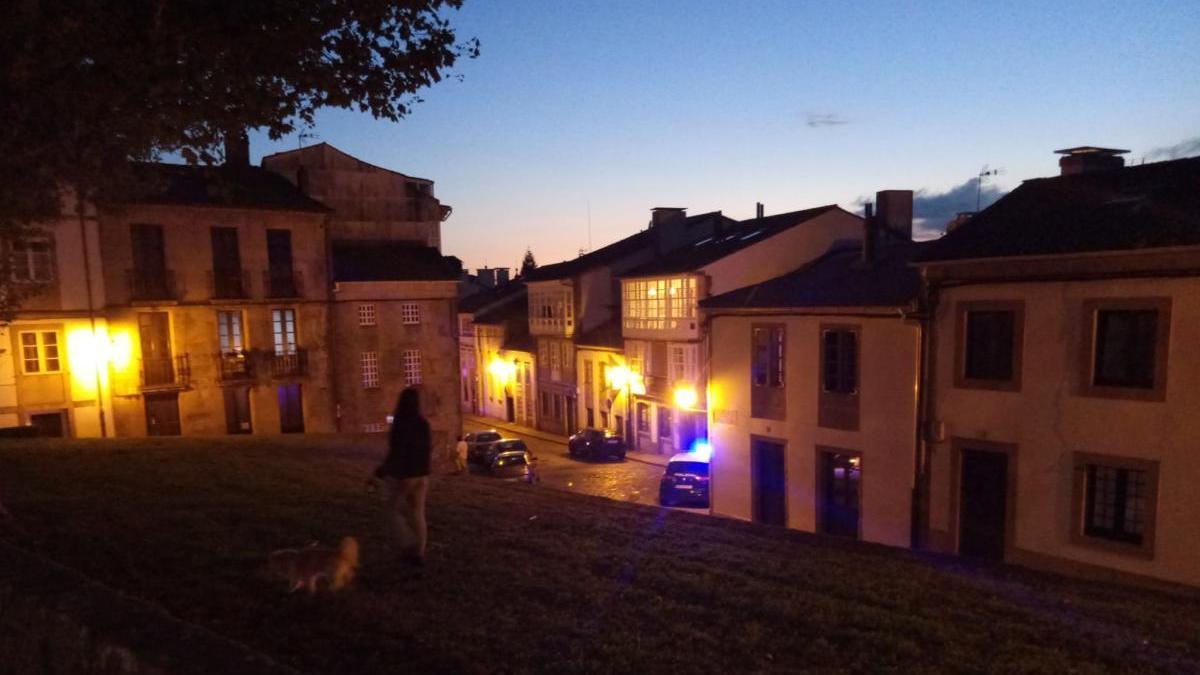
628 481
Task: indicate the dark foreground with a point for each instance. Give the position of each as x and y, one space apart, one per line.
523 578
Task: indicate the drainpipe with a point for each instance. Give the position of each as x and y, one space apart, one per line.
91 306
926 416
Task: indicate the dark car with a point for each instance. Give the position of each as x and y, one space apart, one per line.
486 454
595 443
685 482
512 465
478 443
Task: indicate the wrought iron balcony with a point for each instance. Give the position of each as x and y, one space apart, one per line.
290 364
166 373
236 366
283 284
151 285
233 285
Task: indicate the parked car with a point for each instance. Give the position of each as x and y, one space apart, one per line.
512 465
595 443
477 443
685 481
485 454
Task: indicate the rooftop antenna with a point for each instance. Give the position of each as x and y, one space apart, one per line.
300 138
985 172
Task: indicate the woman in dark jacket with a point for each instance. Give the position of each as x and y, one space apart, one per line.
405 473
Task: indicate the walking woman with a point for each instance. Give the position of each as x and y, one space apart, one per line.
405 474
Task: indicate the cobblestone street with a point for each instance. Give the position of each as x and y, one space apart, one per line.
628 481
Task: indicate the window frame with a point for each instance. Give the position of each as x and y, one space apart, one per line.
410 313
1089 338
281 336
961 344
1079 497
367 317
769 399
413 374
368 362
39 345
25 249
836 409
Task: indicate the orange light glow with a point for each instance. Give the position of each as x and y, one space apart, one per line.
685 396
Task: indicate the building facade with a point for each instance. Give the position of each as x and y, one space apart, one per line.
1061 391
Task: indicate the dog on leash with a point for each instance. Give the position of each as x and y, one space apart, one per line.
305 567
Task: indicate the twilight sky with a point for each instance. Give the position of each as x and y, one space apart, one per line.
624 106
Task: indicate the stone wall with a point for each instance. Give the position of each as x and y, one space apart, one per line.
54 620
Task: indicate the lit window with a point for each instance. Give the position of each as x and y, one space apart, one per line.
659 303
412 367
767 367
32 261
369 363
39 352
366 314
410 313
229 332
283 328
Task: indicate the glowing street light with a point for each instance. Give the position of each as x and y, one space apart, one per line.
685 396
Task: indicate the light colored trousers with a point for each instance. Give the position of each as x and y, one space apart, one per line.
406 508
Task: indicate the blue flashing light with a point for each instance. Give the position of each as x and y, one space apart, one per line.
702 449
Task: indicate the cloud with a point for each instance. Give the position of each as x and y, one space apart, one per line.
815 120
932 210
1187 148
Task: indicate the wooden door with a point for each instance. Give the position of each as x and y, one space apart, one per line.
237 410
291 409
162 414
840 494
769 484
983 504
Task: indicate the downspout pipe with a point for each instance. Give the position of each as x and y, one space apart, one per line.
91 307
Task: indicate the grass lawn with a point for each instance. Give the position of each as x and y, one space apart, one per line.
522 578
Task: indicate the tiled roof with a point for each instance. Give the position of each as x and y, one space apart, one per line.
1135 207
487 296
643 240
836 279
246 187
514 306
607 334
733 238
355 260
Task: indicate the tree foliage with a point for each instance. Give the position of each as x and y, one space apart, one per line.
528 264
87 85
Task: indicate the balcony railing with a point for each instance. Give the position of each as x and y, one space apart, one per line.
233 285
289 364
168 372
285 284
156 285
235 366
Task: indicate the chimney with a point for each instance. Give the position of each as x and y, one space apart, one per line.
237 148
758 210
894 213
870 234
486 276
669 225
501 276
1086 159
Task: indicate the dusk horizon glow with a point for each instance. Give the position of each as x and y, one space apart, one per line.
590 115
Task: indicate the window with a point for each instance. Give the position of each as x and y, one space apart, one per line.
32 261
591 418
366 314
766 370
1128 347
643 418
1115 502
39 352
989 337
839 362
837 398
768 398
410 313
369 364
588 376
678 364
412 367
283 329
659 304
229 332
374 427
664 421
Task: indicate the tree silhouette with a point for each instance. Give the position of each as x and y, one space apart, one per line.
85 86
528 264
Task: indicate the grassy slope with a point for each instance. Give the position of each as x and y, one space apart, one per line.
522 578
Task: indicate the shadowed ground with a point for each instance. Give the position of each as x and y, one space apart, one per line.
525 578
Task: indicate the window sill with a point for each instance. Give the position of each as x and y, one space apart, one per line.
1144 551
1156 395
987 385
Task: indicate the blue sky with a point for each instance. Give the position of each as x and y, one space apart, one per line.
623 106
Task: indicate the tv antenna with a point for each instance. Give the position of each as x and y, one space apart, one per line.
985 172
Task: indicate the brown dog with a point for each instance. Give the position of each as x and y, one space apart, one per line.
304 567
